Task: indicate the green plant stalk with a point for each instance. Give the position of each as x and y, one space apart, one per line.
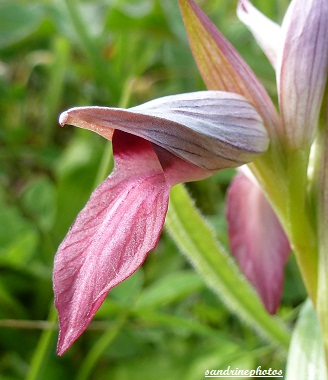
47 243
151 317
196 240
322 296
299 229
321 192
102 73
100 346
43 348
61 51
273 184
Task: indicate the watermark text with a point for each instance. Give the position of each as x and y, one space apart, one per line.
242 373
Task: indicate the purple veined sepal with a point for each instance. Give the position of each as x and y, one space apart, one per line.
302 66
210 129
298 51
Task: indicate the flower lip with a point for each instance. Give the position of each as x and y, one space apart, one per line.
111 237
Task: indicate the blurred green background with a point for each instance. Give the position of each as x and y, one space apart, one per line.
162 323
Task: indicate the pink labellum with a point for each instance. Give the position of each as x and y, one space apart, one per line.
111 236
257 240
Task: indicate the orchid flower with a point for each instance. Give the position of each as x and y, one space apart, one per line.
156 145
298 51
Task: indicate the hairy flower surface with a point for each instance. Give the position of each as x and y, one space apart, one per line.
166 141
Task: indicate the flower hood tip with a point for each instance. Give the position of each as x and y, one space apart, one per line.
63 119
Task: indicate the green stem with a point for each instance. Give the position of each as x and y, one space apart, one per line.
272 183
196 240
320 190
103 74
61 51
300 231
43 348
98 349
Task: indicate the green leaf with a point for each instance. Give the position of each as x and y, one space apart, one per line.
76 171
18 21
137 19
169 289
228 354
306 358
196 240
18 239
91 46
9 306
135 9
39 198
127 291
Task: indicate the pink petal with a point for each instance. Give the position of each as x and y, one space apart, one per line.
111 236
266 32
302 69
257 240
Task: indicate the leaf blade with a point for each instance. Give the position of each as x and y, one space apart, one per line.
196 240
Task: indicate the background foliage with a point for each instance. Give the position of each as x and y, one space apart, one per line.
163 322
